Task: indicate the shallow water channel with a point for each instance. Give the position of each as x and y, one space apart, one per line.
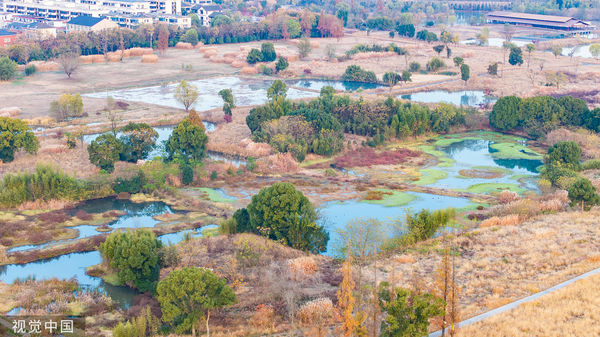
73 265
471 98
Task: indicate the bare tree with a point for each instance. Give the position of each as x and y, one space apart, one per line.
112 114
508 31
69 62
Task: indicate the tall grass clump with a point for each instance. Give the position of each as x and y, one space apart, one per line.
44 184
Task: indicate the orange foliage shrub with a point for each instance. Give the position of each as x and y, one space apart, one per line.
507 196
263 317
86 59
149 58
114 58
317 314
302 267
509 220
184 45
248 71
140 51
43 66
278 163
98 59
239 64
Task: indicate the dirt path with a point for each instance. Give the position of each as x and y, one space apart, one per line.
516 303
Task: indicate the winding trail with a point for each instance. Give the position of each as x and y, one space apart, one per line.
516 303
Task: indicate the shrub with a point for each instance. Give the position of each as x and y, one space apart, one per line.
135 255
132 185
435 64
254 56
14 136
213 175
304 47
268 52
30 70
281 64
425 224
104 151
414 67
8 68
357 74
46 183
583 193
493 69
266 70
564 154
67 106
283 213
187 174
187 143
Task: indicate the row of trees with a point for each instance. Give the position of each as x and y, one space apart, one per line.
279 25
541 114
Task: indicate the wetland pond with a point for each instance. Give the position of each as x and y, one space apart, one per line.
246 91
472 98
481 162
73 265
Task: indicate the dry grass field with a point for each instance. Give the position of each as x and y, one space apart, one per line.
570 311
498 265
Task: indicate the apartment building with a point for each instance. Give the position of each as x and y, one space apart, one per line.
89 24
65 10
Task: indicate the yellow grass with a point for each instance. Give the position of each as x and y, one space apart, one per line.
150 58
571 311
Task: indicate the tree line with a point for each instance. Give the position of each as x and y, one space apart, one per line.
317 126
541 114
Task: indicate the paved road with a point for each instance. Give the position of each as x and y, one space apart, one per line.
514 304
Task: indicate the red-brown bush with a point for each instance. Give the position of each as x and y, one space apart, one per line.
367 156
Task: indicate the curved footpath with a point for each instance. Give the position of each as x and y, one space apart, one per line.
515 304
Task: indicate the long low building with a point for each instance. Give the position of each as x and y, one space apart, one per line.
539 21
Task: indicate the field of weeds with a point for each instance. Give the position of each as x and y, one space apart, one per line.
499 264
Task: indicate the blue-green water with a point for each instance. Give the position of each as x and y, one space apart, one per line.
335 215
472 98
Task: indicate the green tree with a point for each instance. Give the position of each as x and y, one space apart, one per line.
228 101
254 56
187 143
281 64
8 68
439 48
516 56
138 140
14 136
304 47
465 72
104 151
391 78
530 49
414 66
277 89
283 213
188 296
408 312
406 76
557 51
186 94
458 61
268 52
583 193
191 36
135 256
564 154
67 106
506 113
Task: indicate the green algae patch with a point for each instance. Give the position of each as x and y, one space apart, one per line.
493 188
514 151
212 195
389 198
430 176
